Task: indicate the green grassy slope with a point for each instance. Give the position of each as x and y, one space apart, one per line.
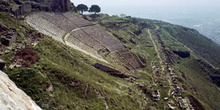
200 44
174 37
69 77
65 78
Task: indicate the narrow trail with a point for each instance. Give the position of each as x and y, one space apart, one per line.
157 27
161 61
155 47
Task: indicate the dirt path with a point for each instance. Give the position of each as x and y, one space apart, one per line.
157 27
170 84
161 61
155 47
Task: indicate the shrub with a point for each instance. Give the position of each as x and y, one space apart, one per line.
27 56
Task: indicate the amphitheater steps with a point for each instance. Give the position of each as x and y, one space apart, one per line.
78 21
104 38
45 27
77 32
72 39
59 20
60 24
124 62
131 60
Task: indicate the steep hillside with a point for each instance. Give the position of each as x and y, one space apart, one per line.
198 43
174 51
63 61
68 28
64 78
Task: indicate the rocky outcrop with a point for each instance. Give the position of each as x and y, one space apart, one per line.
55 5
8 36
142 60
131 60
182 54
2 64
21 10
112 71
12 98
22 7
64 5
4 6
105 68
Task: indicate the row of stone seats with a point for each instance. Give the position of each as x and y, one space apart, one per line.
123 61
72 39
70 16
45 27
59 20
87 39
131 60
104 38
68 21
58 25
78 21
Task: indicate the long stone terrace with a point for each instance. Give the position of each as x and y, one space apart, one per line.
59 20
81 33
79 22
86 39
45 26
103 38
75 41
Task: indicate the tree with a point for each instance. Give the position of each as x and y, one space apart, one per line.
95 8
123 15
82 8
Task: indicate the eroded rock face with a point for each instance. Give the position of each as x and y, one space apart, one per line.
112 71
21 10
8 36
2 64
12 98
182 54
23 6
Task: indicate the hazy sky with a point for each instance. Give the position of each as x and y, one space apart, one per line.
134 6
183 12
164 8
150 2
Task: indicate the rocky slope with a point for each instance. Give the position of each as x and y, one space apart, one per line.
116 63
13 98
